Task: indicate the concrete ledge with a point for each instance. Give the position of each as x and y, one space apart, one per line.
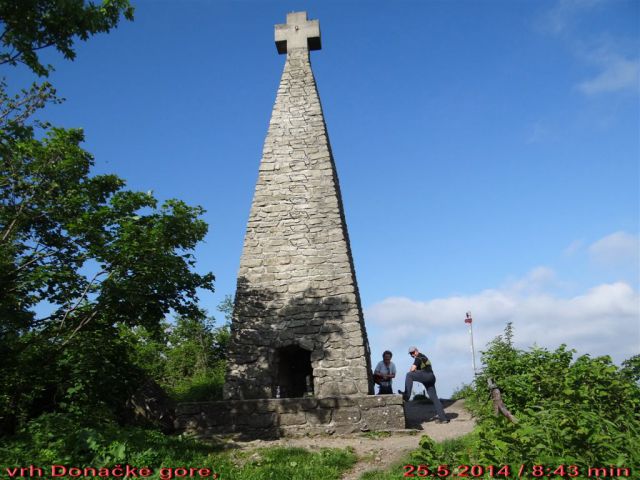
274 418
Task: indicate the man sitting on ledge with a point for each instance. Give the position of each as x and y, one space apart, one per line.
421 371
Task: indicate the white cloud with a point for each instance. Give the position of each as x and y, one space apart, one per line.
574 247
605 320
615 70
536 280
617 73
617 249
565 14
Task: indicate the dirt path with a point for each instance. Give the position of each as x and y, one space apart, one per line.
378 453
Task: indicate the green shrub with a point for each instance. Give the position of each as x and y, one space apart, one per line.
66 439
202 387
463 391
580 411
583 411
186 358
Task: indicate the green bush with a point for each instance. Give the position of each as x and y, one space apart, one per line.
67 439
202 387
583 411
463 391
186 358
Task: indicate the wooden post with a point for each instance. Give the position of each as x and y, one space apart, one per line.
498 404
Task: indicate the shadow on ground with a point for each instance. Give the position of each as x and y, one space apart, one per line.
418 412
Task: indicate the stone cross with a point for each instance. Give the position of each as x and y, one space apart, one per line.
297 33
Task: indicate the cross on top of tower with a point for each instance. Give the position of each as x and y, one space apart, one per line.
298 32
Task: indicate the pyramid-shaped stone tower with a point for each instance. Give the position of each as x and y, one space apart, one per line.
297 327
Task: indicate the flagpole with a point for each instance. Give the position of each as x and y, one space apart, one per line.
469 321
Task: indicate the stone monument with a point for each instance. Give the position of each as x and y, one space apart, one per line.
298 358
297 327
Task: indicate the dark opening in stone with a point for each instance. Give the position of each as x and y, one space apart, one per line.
295 374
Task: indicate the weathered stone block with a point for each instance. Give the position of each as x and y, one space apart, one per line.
372 401
387 418
319 416
263 420
263 406
293 418
348 415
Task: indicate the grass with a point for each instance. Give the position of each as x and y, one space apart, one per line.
447 449
59 441
287 463
395 471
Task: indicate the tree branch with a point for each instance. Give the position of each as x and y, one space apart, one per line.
35 257
80 325
13 222
82 297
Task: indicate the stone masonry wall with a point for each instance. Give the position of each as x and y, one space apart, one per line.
273 418
296 283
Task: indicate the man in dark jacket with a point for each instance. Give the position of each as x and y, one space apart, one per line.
421 371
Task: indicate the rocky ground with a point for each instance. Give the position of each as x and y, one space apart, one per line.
380 451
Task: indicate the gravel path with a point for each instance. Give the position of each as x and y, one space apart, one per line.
378 453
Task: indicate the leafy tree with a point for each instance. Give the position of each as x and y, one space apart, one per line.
192 364
147 350
188 357
94 253
29 26
196 356
631 368
223 333
81 257
81 244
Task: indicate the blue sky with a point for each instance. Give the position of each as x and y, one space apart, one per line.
487 153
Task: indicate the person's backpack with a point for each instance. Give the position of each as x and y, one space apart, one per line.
425 363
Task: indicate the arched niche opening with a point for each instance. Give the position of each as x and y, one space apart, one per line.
294 377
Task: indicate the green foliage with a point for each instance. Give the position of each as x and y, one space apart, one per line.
60 438
583 411
193 348
187 357
580 411
146 349
97 255
32 25
195 363
631 368
58 223
196 357
16 109
463 391
449 453
295 463
67 439
80 256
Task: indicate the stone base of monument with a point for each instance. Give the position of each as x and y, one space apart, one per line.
274 418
